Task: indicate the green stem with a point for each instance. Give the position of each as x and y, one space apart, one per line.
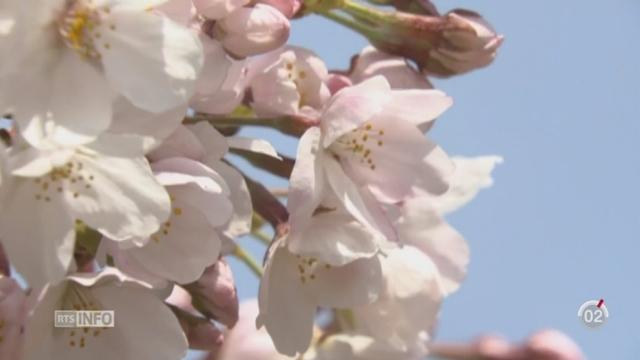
290 125
233 121
347 21
366 13
260 235
246 258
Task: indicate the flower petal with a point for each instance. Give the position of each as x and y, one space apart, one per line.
190 245
59 103
153 127
421 226
403 106
181 143
151 60
307 182
470 176
37 232
123 199
282 297
241 220
355 284
214 143
410 303
352 106
390 158
259 146
335 238
349 194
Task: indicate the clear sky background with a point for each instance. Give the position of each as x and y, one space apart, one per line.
562 223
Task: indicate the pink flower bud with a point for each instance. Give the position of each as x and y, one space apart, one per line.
217 9
251 31
245 341
400 75
288 8
13 313
215 295
202 335
336 82
453 44
552 345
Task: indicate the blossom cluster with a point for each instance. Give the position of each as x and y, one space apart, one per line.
117 191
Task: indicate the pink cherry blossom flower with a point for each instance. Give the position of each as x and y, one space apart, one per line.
289 81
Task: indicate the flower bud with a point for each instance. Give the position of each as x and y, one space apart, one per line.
552 345
217 9
288 8
251 31
215 295
244 341
459 42
336 82
13 313
400 75
201 333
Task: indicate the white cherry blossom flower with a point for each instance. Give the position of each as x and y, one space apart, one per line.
320 192
188 242
293 287
144 328
421 226
81 53
288 81
373 132
201 142
107 184
471 175
407 309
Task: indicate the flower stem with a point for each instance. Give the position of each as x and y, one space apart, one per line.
346 21
363 12
260 235
246 258
290 125
281 168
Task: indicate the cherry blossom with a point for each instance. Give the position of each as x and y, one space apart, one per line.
293 287
288 81
252 30
127 136
107 185
188 240
143 326
75 51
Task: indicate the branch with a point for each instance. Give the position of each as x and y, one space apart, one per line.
290 125
282 168
268 206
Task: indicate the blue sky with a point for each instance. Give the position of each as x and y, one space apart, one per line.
562 223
